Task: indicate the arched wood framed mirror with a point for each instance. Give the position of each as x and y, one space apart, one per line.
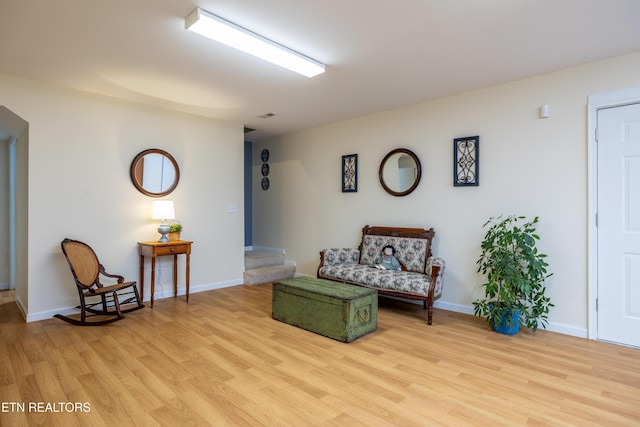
155 172
400 172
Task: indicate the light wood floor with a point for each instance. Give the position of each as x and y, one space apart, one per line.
221 360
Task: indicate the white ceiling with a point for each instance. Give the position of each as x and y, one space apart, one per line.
379 55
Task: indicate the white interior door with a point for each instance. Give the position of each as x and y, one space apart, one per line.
618 224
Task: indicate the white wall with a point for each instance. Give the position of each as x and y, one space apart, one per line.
80 151
528 166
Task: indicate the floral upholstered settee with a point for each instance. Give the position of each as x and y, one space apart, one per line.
421 277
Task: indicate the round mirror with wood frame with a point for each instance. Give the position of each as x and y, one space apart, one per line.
155 172
400 172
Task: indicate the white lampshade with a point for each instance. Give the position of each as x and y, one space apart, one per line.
162 209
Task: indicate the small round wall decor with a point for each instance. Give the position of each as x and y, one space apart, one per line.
265 183
265 155
265 169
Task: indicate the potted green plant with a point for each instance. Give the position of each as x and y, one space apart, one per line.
175 228
516 273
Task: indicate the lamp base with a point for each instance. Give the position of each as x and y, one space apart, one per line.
163 229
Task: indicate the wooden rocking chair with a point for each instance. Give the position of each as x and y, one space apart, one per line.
104 303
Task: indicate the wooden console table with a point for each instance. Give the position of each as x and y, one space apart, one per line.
156 249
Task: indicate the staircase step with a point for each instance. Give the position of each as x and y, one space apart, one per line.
254 260
273 273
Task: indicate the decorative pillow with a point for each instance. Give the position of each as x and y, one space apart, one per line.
411 252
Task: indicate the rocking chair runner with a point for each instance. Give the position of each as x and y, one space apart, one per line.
105 302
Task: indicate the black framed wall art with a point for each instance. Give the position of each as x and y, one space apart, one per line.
350 173
466 157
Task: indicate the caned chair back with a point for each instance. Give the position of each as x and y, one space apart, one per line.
83 262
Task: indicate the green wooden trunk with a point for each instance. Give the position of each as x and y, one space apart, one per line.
333 309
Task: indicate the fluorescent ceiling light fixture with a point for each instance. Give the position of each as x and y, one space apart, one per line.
223 31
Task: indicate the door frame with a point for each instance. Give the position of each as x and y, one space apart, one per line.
13 142
598 101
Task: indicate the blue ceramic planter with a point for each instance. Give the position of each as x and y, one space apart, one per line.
503 328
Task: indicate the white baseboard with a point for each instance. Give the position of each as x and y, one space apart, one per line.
449 306
160 294
467 309
568 330
168 293
553 327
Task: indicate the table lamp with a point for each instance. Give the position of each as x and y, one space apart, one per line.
163 209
